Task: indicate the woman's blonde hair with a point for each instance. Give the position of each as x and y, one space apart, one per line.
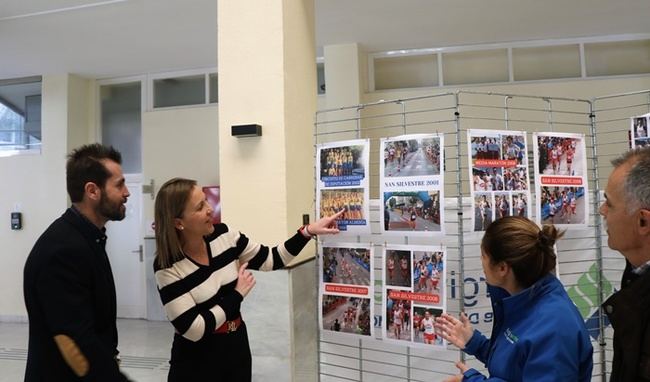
520 243
170 204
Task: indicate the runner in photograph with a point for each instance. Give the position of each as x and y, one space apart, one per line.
502 205
417 318
346 314
396 313
520 204
426 326
482 211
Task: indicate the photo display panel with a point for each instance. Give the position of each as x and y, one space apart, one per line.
560 163
346 288
499 178
411 183
414 294
342 183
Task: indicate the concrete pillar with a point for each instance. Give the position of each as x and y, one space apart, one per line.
267 76
342 75
344 87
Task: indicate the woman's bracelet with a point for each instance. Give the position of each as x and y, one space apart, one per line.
305 232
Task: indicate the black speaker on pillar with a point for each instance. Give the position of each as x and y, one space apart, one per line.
243 131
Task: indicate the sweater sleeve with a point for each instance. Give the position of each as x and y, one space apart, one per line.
263 258
194 321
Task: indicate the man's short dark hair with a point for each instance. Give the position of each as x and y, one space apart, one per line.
84 165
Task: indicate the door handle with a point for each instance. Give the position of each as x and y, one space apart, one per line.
139 251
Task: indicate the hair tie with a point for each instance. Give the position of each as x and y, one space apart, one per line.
543 239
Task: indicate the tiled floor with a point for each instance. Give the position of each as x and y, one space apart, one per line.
144 348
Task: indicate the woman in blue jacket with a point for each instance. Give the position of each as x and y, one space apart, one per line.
538 334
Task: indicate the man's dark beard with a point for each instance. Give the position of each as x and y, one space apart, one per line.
109 211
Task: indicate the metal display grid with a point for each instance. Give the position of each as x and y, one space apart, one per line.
587 268
611 115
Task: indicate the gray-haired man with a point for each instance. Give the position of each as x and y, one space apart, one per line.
627 213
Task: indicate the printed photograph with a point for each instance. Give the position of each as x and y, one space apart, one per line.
346 266
398 318
502 205
423 329
412 211
398 268
346 314
482 211
562 205
515 178
520 204
337 163
640 131
560 156
413 157
351 200
514 148
488 178
428 269
486 147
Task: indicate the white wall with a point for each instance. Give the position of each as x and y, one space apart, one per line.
37 184
179 142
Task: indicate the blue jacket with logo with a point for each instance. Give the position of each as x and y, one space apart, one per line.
538 335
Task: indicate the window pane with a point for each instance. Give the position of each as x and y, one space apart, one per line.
546 62
616 58
179 91
20 116
214 88
320 76
406 72
121 123
475 67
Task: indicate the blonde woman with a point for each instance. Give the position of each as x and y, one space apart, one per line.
202 274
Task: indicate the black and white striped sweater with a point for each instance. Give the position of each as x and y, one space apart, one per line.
200 298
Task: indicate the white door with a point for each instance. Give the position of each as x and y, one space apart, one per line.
124 248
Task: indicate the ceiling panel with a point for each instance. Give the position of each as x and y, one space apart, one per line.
148 36
29 7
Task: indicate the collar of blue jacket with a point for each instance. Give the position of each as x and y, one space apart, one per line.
506 304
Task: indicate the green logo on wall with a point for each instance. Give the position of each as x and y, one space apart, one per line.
585 293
